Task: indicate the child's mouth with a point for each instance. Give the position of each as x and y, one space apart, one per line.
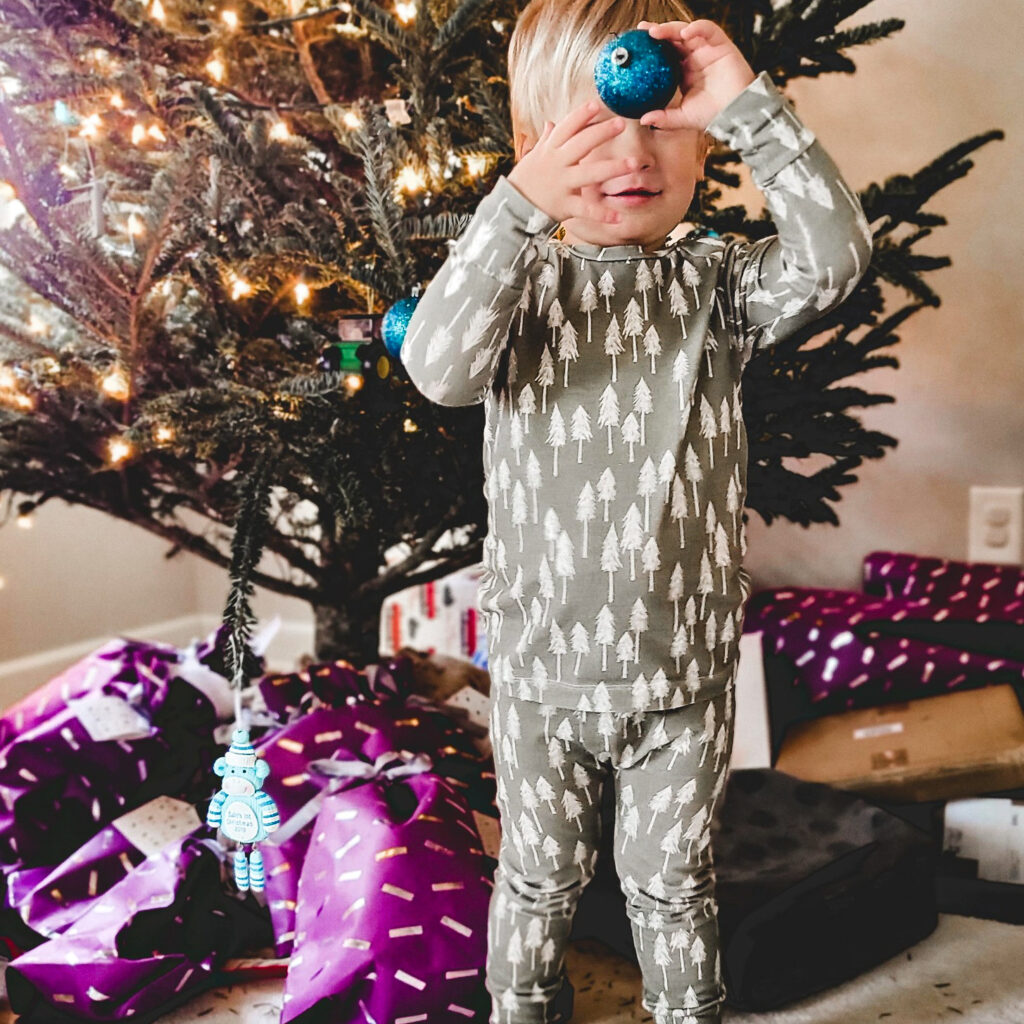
634 196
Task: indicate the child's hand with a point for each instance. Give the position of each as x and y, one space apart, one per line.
552 175
713 73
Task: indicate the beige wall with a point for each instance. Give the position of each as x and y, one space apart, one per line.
78 574
953 71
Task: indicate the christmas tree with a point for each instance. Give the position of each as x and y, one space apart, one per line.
208 208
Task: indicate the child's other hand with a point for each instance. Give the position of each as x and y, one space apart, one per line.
551 173
713 73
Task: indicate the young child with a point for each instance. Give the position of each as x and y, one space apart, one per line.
609 361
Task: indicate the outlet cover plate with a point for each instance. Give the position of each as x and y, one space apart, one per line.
995 532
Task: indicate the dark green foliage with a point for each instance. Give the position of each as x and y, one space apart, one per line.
239 445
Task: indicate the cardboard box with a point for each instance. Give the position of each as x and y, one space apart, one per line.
935 748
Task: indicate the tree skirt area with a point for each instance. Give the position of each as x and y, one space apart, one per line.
967 970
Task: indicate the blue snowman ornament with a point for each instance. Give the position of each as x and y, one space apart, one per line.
636 73
242 810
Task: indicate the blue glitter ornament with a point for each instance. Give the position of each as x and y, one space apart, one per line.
396 323
636 73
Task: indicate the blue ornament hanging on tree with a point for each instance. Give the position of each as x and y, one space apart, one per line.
636 73
396 323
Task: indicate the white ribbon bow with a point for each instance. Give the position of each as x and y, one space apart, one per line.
338 772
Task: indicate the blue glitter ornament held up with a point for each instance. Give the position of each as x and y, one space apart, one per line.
636 73
396 323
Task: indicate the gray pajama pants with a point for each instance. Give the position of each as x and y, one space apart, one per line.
669 769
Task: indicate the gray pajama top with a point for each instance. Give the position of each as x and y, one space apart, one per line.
614 448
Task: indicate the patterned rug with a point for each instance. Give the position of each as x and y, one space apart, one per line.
967 970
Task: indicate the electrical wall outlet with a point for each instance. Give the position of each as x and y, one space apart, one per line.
995 529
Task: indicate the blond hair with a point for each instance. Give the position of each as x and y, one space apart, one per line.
554 48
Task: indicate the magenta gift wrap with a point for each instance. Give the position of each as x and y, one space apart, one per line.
50 899
928 626
288 695
392 907
364 730
128 723
976 591
152 942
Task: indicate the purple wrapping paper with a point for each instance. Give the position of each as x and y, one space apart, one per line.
49 900
59 786
833 638
363 729
149 944
392 911
978 592
333 683
117 661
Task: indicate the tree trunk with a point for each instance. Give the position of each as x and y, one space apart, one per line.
352 634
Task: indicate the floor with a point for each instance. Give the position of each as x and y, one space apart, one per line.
967 970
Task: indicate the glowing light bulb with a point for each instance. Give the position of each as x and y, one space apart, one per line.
138 134
406 11
279 132
154 131
115 384
409 427
411 179
164 435
91 126
117 101
25 521
7 191
216 68
240 288
476 165
118 449
24 402
302 293
156 9
230 18
352 119
7 381
136 225
37 325
353 381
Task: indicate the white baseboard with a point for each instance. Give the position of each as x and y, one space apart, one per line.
20 676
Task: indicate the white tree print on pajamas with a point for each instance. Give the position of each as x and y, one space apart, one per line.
642 420
667 770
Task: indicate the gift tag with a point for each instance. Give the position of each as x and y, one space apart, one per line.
490 833
105 716
152 826
477 705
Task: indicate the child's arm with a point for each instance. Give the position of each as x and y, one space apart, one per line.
459 327
775 285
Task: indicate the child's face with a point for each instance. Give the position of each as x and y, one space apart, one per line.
670 165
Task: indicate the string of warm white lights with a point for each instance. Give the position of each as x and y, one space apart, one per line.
118 117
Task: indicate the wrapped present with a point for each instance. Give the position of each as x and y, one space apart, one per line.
289 695
152 942
975 591
391 913
129 723
50 899
849 650
365 730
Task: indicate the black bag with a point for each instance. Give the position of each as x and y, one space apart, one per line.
814 886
